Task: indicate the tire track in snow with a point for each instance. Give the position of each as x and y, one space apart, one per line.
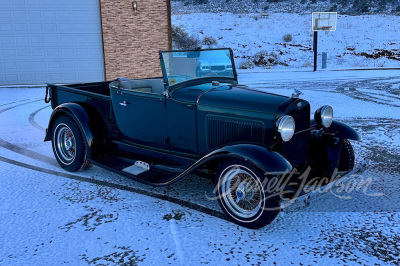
23 151
144 192
28 153
40 157
32 119
15 102
175 237
15 106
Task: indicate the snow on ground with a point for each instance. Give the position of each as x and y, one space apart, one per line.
249 33
50 217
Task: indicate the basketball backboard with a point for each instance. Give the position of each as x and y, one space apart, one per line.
324 21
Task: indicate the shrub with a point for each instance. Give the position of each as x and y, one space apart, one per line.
382 5
265 59
182 40
288 38
362 6
209 41
266 8
200 2
261 59
333 8
343 3
248 64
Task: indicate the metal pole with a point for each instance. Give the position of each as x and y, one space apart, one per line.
315 48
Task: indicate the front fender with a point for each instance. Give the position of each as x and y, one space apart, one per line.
80 116
326 156
345 131
269 161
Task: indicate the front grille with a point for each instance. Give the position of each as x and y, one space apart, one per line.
296 149
217 68
223 130
301 114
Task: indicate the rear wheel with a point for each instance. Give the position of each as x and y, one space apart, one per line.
347 157
68 145
241 195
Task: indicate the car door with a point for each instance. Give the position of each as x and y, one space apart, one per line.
141 116
182 126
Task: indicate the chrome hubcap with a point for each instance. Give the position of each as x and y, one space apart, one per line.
241 192
66 144
244 191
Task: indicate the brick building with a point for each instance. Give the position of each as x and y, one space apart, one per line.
62 41
132 39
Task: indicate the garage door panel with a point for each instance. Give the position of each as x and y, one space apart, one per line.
50 41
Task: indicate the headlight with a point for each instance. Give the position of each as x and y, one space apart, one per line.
285 127
324 116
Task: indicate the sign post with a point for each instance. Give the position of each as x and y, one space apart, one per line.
324 59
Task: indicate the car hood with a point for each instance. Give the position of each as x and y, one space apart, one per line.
243 98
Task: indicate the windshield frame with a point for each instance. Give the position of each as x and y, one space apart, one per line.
198 80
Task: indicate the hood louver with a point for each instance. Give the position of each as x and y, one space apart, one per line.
222 131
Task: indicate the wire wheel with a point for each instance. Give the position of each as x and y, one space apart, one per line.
66 143
241 192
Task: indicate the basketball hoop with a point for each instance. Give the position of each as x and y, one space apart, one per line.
322 21
327 29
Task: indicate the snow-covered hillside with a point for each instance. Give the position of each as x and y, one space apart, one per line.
353 7
356 37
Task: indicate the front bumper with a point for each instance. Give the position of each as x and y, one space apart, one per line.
305 200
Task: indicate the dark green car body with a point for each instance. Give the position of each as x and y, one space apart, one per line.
192 125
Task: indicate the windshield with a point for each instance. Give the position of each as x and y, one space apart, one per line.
188 65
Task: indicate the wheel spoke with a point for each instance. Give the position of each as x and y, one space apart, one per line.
241 192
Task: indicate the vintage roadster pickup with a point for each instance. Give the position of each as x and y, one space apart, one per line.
198 119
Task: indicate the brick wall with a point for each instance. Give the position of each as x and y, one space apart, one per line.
132 41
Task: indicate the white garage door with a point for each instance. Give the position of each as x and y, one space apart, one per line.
57 41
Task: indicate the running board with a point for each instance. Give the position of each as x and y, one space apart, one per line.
155 175
138 168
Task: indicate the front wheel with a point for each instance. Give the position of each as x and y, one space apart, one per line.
242 196
68 145
347 157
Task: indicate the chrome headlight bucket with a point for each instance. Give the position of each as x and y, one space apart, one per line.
324 116
285 126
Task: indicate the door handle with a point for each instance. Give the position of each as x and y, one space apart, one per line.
124 103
